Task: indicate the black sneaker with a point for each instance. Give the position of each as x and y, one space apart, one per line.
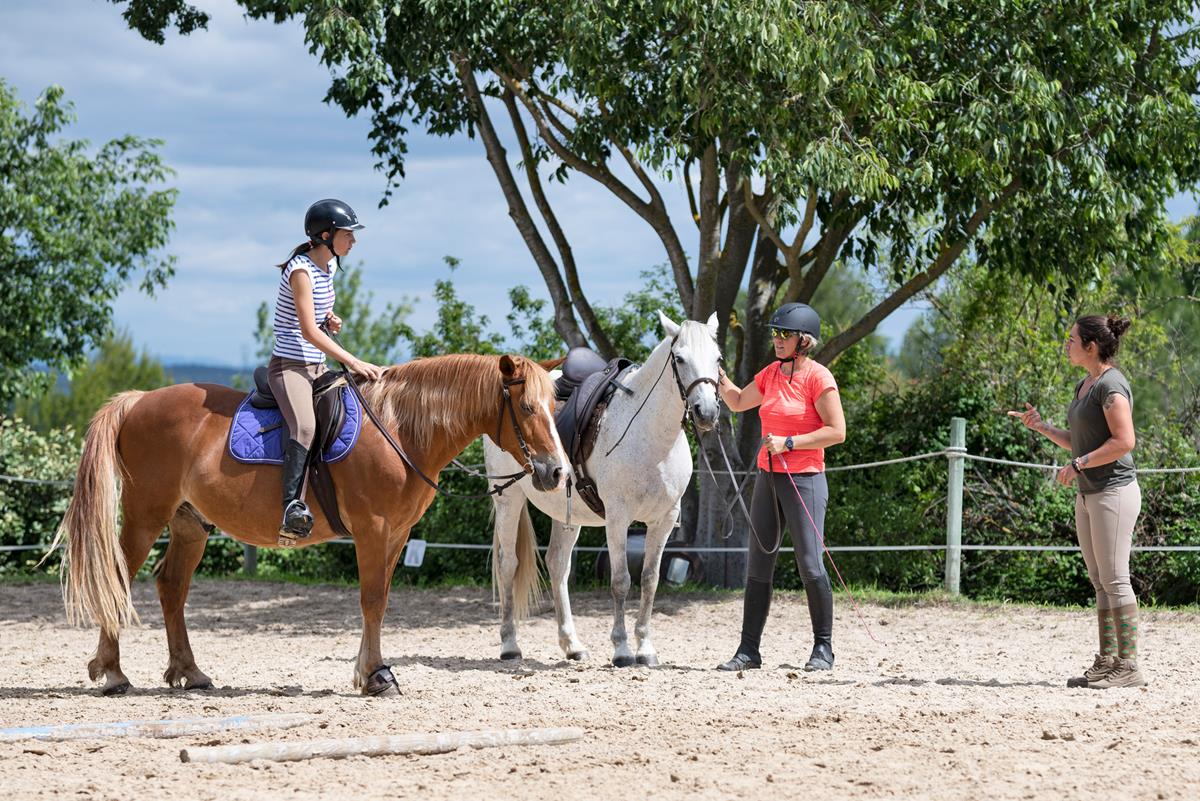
741 661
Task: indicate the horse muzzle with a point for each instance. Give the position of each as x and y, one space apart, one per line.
706 413
548 473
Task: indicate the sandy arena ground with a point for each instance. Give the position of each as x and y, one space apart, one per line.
961 702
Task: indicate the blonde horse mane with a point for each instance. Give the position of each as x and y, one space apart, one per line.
446 392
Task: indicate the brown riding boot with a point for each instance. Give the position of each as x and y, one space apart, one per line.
1125 671
1109 648
1098 671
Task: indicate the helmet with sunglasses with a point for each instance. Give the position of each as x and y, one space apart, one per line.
327 216
796 317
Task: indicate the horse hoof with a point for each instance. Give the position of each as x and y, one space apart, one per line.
116 689
509 656
623 661
381 682
649 660
578 656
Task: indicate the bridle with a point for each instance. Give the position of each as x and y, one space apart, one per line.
512 416
673 361
508 479
684 393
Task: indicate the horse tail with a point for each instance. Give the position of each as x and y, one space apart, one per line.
95 578
527 591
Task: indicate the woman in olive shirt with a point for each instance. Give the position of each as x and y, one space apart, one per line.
1100 438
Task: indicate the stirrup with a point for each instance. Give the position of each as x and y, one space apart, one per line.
297 523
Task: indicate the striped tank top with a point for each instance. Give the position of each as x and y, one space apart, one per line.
289 341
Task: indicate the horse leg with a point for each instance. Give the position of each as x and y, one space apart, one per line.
657 533
377 557
138 534
558 562
505 563
188 538
616 532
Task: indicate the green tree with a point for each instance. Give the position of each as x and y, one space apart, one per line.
76 224
1030 138
458 328
375 338
898 135
115 367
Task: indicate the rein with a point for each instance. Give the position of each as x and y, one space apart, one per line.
497 489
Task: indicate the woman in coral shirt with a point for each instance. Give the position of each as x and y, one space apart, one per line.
801 414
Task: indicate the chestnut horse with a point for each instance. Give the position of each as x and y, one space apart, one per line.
162 456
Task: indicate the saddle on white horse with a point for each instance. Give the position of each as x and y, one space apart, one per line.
582 393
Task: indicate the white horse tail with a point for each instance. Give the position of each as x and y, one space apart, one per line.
528 590
95 579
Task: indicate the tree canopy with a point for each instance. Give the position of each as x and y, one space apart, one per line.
1043 136
76 224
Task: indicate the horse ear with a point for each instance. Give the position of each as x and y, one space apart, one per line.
670 327
508 366
712 324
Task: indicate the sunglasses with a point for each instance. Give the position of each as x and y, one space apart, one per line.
783 333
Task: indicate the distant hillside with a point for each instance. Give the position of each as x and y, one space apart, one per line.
207 374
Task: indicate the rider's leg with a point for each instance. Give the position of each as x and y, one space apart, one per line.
291 383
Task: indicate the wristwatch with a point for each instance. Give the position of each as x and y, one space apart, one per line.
1075 466
787 443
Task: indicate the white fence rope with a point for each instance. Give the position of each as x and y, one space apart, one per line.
946 452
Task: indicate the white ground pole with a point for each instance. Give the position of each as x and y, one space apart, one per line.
377 746
155 728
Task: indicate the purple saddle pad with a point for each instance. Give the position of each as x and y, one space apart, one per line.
257 436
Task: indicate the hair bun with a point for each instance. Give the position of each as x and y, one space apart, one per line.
1118 326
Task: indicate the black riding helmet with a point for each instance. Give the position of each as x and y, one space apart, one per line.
325 217
799 317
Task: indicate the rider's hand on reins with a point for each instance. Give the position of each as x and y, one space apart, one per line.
371 372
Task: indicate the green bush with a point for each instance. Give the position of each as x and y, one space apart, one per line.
30 513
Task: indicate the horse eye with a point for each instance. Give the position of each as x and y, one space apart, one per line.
526 408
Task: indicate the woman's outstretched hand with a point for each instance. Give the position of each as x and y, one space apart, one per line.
1030 417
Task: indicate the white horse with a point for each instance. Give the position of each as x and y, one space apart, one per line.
641 464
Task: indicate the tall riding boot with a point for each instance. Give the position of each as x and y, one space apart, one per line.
820 612
755 607
297 520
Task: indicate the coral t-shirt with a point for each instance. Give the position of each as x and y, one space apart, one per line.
789 408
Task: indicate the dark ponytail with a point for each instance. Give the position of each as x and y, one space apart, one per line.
1106 332
303 247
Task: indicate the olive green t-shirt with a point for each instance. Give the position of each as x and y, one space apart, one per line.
1089 430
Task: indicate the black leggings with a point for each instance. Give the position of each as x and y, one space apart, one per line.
770 508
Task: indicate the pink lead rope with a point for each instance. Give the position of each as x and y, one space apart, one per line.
821 539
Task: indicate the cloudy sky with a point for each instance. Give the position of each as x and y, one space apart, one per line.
239 108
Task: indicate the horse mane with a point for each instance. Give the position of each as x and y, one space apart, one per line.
447 393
